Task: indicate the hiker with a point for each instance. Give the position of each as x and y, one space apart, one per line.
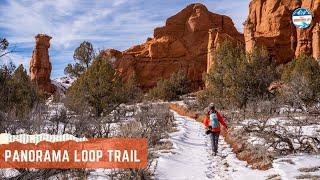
212 122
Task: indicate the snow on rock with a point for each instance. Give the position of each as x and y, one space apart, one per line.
63 83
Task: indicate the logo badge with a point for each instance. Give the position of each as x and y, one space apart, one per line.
302 18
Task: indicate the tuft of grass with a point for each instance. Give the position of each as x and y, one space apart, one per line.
166 145
308 176
310 169
274 177
289 161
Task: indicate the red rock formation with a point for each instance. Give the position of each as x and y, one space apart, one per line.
182 44
269 24
316 41
40 66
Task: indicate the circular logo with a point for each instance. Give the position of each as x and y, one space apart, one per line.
302 18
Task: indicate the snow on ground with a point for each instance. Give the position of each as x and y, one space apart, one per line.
180 103
99 174
295 129
191 159
292 166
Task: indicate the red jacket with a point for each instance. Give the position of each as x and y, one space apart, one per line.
206 122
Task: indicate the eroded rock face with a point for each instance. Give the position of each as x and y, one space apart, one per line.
269 24
182 44
40 66
316 41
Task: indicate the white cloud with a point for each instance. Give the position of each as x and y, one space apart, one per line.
64 20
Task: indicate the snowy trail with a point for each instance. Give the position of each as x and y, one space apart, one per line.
191 157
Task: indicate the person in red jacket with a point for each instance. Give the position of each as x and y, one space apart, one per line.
212 123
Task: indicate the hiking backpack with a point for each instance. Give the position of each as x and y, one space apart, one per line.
214 122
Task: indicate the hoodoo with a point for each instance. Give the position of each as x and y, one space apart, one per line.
40 66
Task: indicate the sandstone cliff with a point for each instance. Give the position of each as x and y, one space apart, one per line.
182 44
40 66
269 24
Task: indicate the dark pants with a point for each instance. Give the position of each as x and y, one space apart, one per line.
214 141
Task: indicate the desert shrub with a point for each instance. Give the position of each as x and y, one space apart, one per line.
95 94
98 90
24 95
153 122
237 78
133 93
172 88
302 82
18 95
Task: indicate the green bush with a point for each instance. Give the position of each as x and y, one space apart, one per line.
99 90
301 79
237 78
172 88
17 94
133 93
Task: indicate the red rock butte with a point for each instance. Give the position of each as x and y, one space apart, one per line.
182 44
40 66
189 39
269 24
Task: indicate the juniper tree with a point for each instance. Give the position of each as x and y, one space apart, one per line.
83 55
237 78
100 88
302 81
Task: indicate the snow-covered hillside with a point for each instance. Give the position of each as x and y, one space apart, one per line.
191 159
63 83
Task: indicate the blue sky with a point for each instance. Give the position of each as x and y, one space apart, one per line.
115 24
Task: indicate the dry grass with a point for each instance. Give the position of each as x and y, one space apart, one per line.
308 176
183 111
166 145
311 169
274 177
289 161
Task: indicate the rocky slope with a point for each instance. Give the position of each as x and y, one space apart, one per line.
182 44
269 24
